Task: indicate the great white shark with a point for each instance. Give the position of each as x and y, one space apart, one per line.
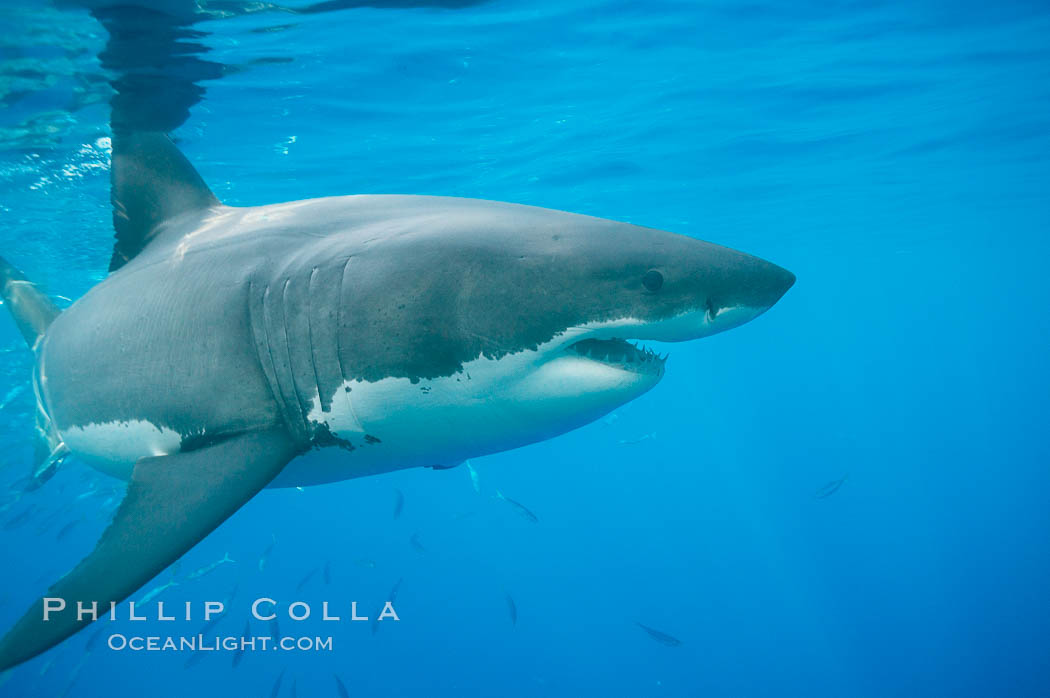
231 349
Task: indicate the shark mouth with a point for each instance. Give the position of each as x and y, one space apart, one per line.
620 354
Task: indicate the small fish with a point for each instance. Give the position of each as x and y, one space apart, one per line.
12 394
266 553
18 496
211 623
662 638
303 582
416 544
194 658
474 478
277 685
210 567
72 678
512 608
18 519
370 564
152 594
518 507
399 503
340 688
49 521
327 574
87 494
610 418
238 654
391 597
64 531
93 640
830 488
640 439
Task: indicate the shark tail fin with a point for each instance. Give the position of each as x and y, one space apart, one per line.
152 182
31 309
33 313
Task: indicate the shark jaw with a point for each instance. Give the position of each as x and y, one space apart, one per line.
627 356
489 405
613 344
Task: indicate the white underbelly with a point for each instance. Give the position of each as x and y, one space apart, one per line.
114 447
393 423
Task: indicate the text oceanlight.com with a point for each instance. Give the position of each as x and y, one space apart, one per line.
199 643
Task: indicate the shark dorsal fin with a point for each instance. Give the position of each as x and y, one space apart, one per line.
152 182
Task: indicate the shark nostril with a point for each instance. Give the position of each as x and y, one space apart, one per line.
711 309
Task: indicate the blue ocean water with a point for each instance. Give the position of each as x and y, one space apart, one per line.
894 155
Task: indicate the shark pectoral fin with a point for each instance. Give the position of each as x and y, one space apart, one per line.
152 182
171 503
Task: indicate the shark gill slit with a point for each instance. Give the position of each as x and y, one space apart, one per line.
283 405
339 322
258 328
344 387
310 341
303 412
334 345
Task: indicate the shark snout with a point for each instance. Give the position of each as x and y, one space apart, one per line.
733 289
768 284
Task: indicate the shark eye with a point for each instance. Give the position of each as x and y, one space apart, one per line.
653 280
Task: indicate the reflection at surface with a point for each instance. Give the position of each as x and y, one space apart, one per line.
153 61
